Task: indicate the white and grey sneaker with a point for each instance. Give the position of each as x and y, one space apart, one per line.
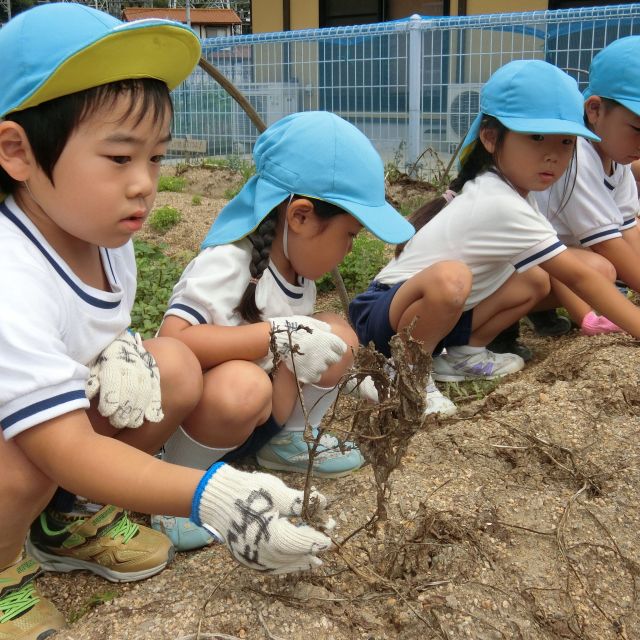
484 365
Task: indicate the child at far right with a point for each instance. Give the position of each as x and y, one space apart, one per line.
599 212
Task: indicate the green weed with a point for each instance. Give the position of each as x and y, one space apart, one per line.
157 274
468 390
196 200
163 218
171 183
95 600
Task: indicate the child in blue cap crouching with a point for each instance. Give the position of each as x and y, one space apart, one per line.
318 182
483 253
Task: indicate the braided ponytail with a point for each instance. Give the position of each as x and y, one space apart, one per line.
261 240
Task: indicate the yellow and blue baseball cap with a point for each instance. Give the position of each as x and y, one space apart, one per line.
319 155
615 73
530 96
60 48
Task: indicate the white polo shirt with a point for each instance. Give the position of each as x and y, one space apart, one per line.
212 285
53 325
490 228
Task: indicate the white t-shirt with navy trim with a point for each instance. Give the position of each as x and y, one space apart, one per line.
53 325
212 285
488 227
599 207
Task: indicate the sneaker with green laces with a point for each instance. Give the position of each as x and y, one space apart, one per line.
107 543
24 613
288 451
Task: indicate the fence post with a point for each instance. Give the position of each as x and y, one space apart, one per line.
414 63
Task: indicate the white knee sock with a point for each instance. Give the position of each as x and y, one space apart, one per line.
317 400
182 449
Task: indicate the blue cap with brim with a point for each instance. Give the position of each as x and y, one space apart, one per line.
61 48
615 73
530 96
319 155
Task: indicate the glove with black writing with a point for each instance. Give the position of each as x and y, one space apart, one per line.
249 511
315 348
127 377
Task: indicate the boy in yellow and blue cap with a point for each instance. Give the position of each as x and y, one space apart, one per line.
85 112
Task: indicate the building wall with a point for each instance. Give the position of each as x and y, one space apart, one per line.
478 7
267 15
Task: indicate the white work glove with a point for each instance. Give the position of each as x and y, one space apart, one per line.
128 379
318 347
249 511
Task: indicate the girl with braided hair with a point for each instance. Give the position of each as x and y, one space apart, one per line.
318 182
483 253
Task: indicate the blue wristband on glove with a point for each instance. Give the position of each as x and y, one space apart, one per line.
195 503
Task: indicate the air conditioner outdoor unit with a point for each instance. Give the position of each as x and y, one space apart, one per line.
463 105
272 101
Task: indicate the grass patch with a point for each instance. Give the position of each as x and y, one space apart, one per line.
157 275
468 390
172 183
164 218
196 201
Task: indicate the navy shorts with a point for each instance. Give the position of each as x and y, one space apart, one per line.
369 313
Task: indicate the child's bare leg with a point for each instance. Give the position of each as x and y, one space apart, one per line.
562 296
512 301
24 493
436 297
288 451
235 400
181 390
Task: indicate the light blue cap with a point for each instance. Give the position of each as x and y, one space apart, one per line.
60 48
319 155
615 73
531 96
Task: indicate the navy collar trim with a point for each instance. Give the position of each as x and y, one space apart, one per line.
92 300
292 294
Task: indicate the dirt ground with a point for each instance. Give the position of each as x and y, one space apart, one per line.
518 518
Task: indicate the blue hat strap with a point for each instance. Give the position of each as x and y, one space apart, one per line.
285 233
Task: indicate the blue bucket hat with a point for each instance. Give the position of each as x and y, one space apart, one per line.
615 73
319 155
530 96
60 48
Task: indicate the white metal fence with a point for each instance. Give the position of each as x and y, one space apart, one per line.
412 86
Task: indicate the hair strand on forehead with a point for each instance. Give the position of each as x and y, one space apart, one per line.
49 125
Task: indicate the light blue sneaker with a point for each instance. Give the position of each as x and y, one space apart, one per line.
185 534
288 451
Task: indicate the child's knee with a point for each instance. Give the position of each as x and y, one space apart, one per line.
180 373
28 489
603 266
539 283
339 327
238 391
451 283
